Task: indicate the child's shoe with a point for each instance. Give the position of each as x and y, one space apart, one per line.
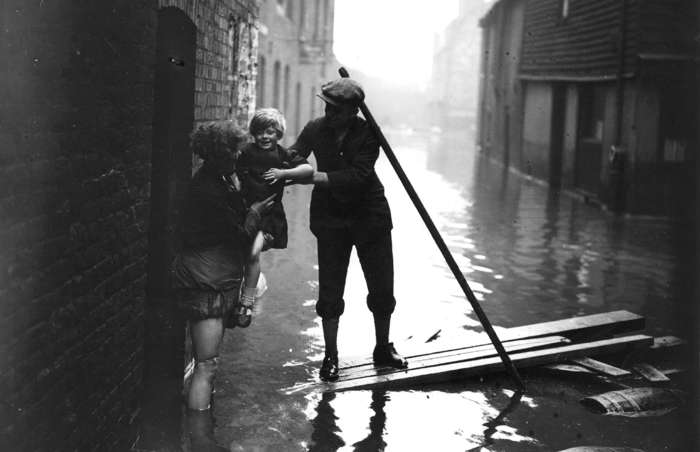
243 311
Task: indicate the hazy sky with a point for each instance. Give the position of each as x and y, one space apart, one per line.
392 39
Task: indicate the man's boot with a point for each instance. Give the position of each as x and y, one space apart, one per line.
329 367
384 353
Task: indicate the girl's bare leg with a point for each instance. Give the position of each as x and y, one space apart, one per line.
252 272
206 339
244 310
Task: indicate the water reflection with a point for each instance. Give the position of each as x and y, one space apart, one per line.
438 418
325 435
200 432
377 423
493 424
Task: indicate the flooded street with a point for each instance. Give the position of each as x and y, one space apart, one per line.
529 256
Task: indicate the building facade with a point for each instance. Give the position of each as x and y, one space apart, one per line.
295 57
454 82
97 102
595 97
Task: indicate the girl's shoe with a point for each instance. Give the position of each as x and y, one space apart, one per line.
243 311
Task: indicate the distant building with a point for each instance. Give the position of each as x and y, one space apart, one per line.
98 99
295 57
454 80
597 96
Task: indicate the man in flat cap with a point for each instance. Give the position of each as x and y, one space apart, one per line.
348 208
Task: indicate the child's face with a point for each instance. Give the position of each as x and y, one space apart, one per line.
266 139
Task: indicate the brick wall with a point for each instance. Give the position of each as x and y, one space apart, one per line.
76 107
226 57
76 113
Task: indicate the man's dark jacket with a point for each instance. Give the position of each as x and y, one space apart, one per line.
354 197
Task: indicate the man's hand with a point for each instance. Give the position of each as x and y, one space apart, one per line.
273 175
263 206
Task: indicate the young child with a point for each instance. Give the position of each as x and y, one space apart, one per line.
263 167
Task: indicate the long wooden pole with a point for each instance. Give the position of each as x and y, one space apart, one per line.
439 241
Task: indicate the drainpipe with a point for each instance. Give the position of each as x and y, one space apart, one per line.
617 150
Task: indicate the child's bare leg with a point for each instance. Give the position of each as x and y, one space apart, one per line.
252 275
252 272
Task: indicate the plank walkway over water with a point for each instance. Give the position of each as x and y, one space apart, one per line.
594 326
384 376
528 345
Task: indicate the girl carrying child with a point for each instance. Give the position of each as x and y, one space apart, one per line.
263 168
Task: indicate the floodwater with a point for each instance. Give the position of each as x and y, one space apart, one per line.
529 256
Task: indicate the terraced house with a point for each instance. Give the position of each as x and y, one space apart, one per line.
598 97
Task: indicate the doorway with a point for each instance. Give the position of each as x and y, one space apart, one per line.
171 166
556 139
589 148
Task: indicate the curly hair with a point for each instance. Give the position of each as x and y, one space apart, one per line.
267 117
213 140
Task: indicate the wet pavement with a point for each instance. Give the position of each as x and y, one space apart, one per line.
528 254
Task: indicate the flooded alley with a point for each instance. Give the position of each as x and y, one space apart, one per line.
529 255
553 143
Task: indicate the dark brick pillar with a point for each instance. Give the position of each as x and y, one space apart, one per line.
75 136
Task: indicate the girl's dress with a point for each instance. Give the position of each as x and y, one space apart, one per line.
251 165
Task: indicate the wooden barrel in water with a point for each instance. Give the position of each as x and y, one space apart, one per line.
635 401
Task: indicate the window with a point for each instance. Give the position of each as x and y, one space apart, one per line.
317 18
324 19
302 15
290 9
286 90
592 112
260 99
276 85
564 8
297 109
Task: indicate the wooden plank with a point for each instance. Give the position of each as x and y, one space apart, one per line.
601 367
581 328
664 349
418 356
650 373
568 368
490 364
367 369
442 358
667 341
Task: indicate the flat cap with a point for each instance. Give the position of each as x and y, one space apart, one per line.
343 91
